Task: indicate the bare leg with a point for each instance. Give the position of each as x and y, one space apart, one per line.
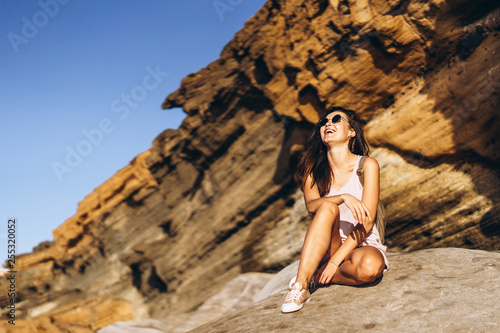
363 265
335 242
321 237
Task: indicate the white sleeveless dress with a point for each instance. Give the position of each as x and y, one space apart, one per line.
347 221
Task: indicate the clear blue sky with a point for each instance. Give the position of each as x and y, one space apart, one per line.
67 67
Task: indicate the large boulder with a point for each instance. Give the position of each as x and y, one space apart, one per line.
435 290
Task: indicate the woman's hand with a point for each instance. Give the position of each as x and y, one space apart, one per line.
358 208
325 273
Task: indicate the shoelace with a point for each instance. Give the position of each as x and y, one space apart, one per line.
293 295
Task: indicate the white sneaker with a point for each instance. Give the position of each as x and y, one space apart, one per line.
296 298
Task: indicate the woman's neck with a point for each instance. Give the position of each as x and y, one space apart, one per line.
340 157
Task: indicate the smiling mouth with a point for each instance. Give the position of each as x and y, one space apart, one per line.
329 131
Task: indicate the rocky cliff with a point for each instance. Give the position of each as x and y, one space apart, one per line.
215 198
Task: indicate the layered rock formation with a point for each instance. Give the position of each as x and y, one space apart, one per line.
423 74
216 198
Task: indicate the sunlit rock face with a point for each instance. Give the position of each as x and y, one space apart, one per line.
424 75
216 198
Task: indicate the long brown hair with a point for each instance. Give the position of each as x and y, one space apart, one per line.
315 160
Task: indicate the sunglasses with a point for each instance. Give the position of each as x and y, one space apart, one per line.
335 119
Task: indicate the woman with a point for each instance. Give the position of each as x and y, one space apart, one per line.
342 244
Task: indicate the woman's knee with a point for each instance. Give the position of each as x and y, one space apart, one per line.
369 268
328 207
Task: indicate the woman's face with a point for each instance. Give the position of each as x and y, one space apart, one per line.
335 128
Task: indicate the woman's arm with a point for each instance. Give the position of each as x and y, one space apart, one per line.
361 210
368 206
371 191
312 198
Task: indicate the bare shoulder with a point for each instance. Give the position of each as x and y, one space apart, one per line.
371 164
310 181
311 191
371 172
